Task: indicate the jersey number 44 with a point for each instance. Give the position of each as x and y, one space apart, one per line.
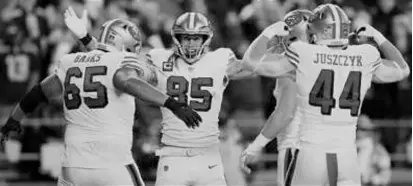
321 94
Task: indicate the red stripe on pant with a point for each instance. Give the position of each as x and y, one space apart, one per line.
136 176
290 171
332 168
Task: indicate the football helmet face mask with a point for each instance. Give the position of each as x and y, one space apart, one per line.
187 25
330 25
121 35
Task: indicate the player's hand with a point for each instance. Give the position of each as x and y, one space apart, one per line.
184 112
248 157
11 126
77 25
279 28
368 31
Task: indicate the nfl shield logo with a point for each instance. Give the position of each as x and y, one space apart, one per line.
167 66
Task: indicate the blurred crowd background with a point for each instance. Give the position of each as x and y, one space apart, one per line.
33 37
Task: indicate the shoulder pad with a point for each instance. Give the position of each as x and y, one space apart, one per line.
226 54
66 60
158 56
370 52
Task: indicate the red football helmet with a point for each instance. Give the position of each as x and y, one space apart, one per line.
120 34
297 20
330 25
191 23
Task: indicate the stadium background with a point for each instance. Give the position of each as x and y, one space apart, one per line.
35 28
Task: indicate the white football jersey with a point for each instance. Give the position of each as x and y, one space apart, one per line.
332 83
99 117
200 85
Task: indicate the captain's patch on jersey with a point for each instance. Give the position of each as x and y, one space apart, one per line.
167 66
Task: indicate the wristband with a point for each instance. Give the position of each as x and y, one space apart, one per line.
260 141
379 38
171 104
32 99
86 40
268 34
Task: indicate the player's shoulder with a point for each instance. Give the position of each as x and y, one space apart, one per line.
297 48
298 44
158 56
223 56
368 49
368 52
135 61
223 52
67 60
128 57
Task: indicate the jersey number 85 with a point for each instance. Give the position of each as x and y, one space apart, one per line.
177 87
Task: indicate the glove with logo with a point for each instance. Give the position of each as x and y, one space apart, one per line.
184 112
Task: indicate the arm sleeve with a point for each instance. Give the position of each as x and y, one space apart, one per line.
142 65
59 69
387 72
274 68
234 69
292 53
384 71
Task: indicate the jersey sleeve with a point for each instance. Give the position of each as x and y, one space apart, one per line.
232 64
292 53
60 67
142 66
372 56
157 57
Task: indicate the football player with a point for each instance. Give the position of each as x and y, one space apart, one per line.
191 74
332 79
98 90
279 123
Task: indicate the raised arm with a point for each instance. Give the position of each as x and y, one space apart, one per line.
261 62
279 119
393 67
79 27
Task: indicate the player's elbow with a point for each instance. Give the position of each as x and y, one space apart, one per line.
289 117
124 78
405 72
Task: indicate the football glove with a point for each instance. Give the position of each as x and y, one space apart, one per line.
183 112
11 126
252 151
279 28
75 24
370 32
247 158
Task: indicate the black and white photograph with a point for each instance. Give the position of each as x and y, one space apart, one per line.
205 92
